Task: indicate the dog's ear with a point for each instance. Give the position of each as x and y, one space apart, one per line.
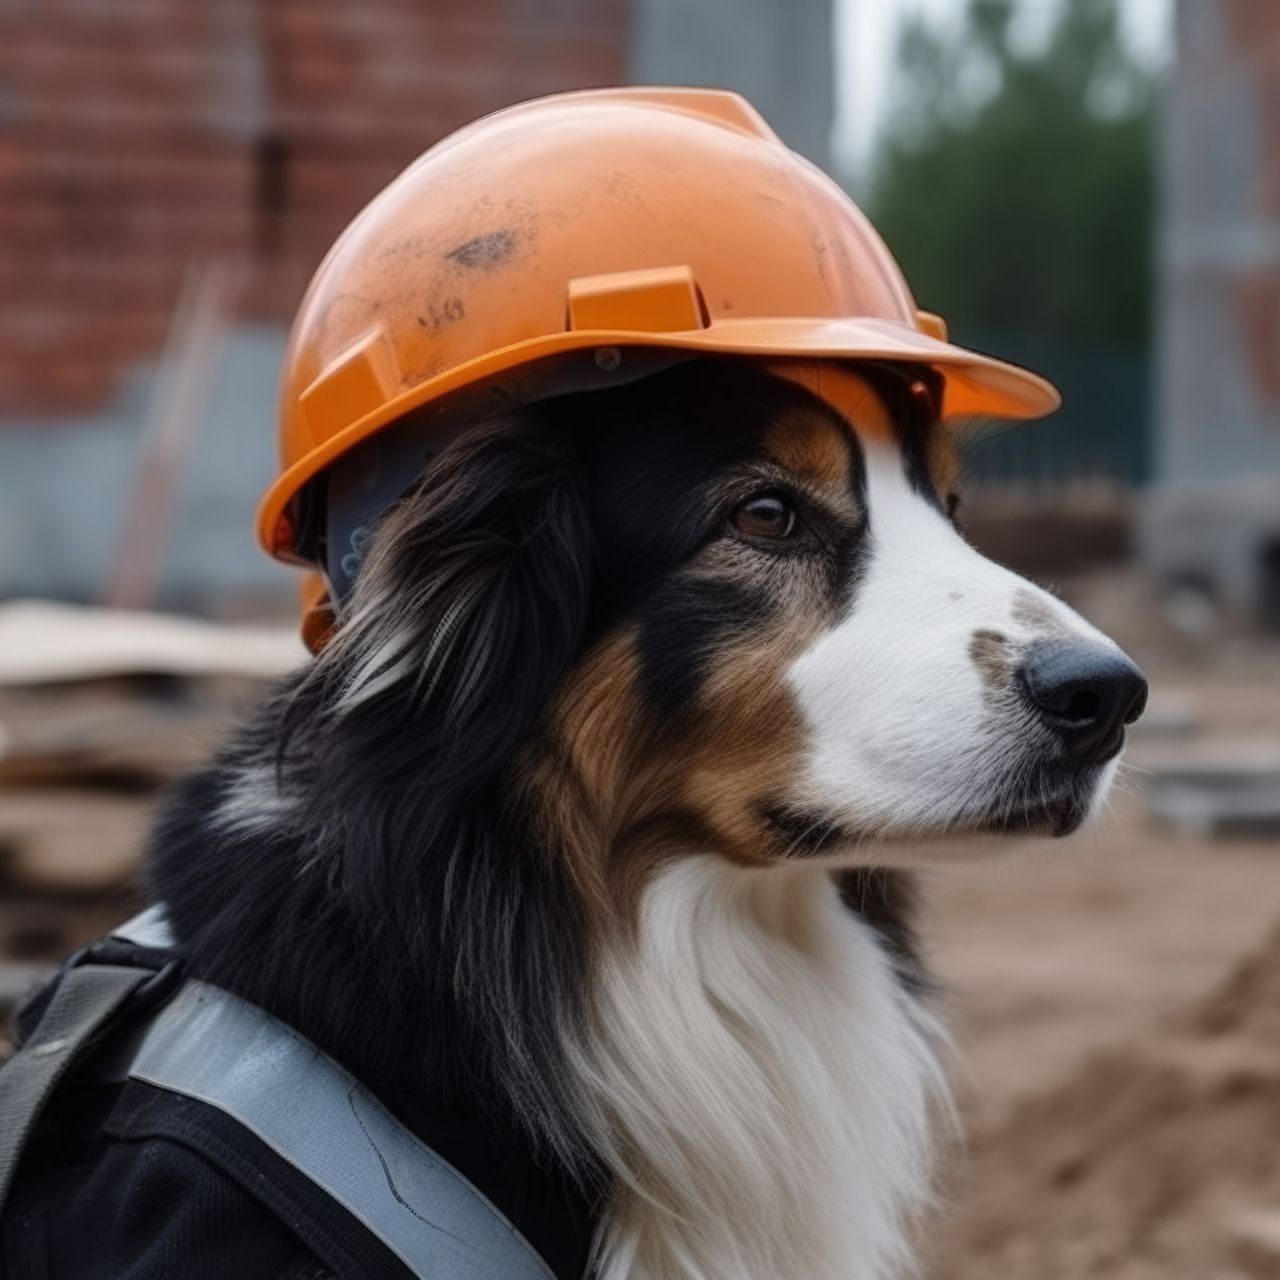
471 604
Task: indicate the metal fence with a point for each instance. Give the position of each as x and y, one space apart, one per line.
1101 436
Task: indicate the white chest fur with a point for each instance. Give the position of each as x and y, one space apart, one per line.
760 1083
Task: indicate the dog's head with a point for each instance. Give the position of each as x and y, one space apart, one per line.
726 608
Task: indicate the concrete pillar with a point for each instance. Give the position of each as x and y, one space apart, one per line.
777 53
1212 516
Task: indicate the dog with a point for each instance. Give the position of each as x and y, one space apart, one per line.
585 841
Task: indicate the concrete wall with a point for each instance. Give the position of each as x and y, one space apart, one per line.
1213 514
65 488
778 53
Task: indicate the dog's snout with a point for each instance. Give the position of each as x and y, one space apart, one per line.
1086 693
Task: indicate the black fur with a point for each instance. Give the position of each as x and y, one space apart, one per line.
885 898
679 633
397 913
913 397
383 890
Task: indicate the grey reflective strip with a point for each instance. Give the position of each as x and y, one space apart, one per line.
210 1045
147 929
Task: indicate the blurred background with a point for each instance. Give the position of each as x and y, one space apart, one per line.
1090 187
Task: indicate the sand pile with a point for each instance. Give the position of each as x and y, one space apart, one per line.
1160 1159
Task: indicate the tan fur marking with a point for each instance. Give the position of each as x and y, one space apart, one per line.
991 654
1032 612
750 739
810 447
944 460
579 770
617 795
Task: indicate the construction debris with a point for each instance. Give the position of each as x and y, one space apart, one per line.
109 738
1216 786
1221 802
43 643
69 842
99 709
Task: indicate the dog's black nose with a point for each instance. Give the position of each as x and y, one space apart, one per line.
1086 693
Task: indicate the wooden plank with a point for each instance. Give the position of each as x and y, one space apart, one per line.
42 642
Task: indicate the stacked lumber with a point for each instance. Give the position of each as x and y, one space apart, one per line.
99 711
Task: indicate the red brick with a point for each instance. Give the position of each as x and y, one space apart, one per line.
120 167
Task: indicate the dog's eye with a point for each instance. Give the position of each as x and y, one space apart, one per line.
767 515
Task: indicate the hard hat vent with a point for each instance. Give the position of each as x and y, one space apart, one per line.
658 300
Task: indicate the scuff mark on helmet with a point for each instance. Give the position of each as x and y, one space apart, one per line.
440 313
484 253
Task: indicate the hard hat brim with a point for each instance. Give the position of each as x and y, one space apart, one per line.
974 385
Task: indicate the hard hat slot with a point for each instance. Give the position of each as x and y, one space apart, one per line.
358 381
656 300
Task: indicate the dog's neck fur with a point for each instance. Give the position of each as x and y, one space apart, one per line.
758 1081
751 1070
748 1064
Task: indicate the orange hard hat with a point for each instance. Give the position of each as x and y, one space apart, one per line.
608 224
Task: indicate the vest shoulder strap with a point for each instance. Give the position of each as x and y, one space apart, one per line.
87 1001
211 1046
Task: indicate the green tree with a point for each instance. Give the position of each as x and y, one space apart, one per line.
1016 187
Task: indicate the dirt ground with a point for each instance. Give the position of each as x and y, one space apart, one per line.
1115 999
1116 1006
1074 973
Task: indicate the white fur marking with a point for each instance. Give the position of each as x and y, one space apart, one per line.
903 740
253 802
760 1083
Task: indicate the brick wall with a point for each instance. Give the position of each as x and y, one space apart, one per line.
137 136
